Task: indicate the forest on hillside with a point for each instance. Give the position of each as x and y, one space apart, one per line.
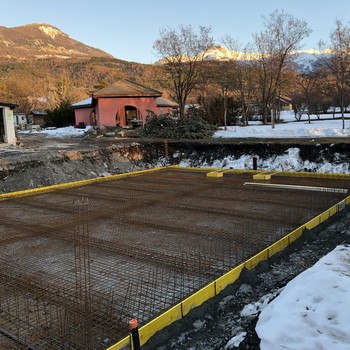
44 84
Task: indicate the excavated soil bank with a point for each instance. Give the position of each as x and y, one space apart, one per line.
41 161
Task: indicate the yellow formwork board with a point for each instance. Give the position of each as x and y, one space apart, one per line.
123 344
278 246
324 216
266 175
222 282
341 205
294 235
262 177
215 174
198 298
160 322
312 223
333 210
347 200
256 259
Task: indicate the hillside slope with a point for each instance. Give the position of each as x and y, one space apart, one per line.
41 40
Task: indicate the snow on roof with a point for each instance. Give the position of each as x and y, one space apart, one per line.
38 112
84 103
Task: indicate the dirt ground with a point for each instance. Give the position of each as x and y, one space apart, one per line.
40 161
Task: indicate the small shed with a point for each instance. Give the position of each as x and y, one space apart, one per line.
20 120
37 118
7 123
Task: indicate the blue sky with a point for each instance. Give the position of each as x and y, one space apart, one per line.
127 28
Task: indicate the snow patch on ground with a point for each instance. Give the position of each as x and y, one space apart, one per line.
312 311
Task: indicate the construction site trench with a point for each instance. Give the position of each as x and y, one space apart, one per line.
79 263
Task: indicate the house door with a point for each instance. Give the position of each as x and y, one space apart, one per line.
130 114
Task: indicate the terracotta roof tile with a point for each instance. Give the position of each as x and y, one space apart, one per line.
126 88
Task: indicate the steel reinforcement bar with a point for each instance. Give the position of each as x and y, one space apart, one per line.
214 288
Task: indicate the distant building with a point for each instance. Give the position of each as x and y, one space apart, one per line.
37 117
164 105
20 120
7 123
124 103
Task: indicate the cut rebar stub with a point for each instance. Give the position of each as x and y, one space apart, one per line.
133 323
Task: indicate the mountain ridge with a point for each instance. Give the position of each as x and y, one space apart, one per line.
42 40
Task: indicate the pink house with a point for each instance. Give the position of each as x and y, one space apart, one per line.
123 103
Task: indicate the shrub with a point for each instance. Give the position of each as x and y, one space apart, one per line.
168 127
60 116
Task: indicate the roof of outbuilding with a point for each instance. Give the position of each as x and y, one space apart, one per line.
10 105
83 104
165 102
38 112
126 88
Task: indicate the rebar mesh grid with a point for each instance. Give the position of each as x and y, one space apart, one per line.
78 264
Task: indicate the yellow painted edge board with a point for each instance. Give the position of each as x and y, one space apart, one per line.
262 177
278 246
122 344
333 210
228 278
198 298
312 223
256 259
324 216
341 205
295 234
160 322
215 174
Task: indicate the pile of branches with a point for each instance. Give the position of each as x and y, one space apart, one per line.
168 127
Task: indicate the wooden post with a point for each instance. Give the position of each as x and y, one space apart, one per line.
255 162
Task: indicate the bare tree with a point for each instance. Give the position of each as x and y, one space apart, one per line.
338 62
183 53
275 46
64 88
224 82
241 79
308 85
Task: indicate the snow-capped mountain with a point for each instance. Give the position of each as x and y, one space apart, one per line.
303 60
